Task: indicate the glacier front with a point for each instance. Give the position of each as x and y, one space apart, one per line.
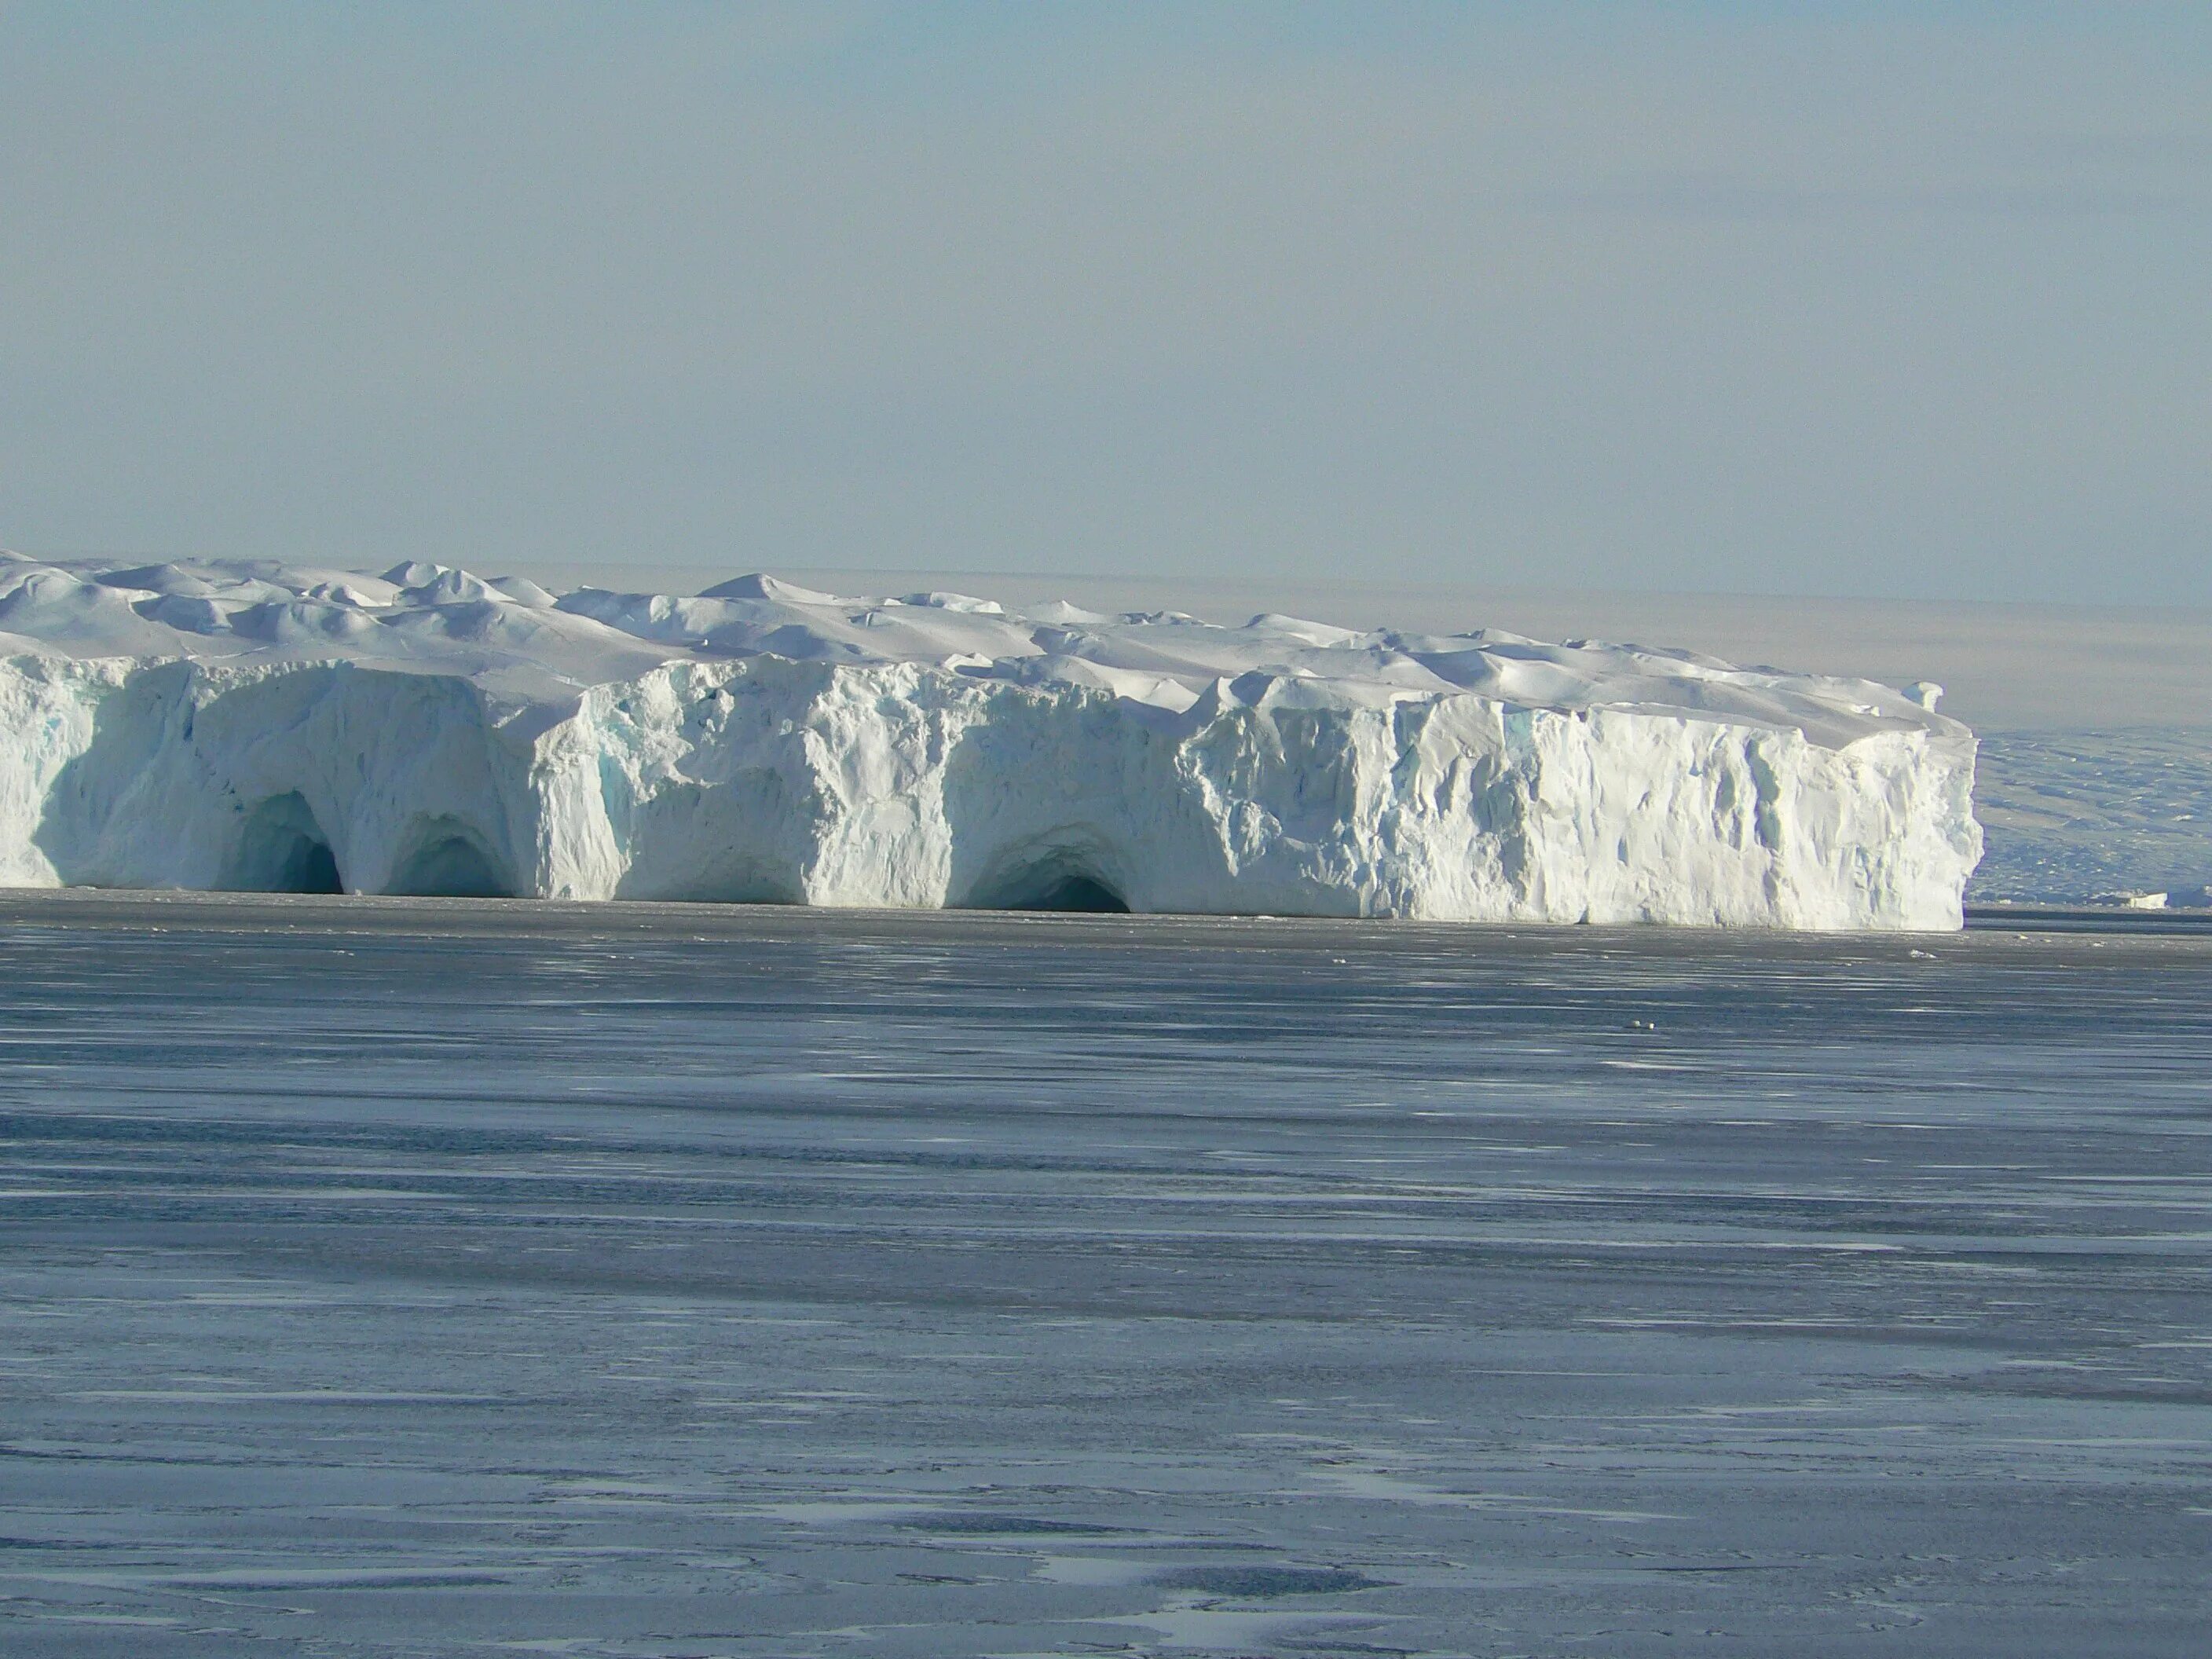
255 726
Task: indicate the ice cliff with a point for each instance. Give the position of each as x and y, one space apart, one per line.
249 725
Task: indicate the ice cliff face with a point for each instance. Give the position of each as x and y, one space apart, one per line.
251 727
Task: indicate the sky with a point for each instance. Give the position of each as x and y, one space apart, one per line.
1875 299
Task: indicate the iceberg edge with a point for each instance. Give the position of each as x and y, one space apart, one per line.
266 729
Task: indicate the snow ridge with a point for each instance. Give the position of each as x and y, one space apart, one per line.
233 724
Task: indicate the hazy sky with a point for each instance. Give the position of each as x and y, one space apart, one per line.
1867 299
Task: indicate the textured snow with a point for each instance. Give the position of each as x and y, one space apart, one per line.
253 726
2078 818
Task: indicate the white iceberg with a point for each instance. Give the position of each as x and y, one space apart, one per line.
252 725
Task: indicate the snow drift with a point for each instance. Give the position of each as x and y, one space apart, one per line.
254 727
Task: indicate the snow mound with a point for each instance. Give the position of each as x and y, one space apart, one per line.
255 726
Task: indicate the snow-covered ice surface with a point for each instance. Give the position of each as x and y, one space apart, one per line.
249 725
444 1279
2074 817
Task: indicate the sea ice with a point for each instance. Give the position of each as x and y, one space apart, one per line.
257 726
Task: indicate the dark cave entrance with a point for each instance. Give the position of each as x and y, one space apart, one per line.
448 862
281 848
1084 895
1063 882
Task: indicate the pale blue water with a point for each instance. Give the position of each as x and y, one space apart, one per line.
409 1277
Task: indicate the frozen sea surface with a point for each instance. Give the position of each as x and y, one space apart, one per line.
434 1278
2069 815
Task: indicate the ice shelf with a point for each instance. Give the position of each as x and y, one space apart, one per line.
250 726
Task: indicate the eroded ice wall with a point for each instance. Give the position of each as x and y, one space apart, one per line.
428 732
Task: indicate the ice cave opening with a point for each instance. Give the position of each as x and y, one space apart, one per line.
1056 882
448 863
281 848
